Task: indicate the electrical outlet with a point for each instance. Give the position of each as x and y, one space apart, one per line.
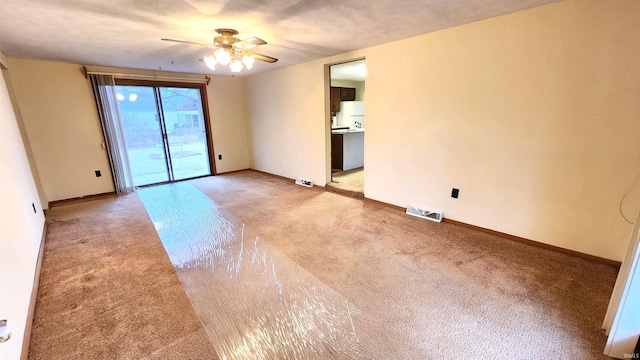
454 193
98 173
219 157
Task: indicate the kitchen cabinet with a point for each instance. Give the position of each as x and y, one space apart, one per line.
338 94
347 94
347 149
335 99
336 151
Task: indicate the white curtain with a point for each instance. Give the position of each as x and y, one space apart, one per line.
105 93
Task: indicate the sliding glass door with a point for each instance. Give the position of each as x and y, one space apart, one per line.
165 131
186 134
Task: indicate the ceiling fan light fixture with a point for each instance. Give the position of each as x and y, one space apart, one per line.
229 50
235 66
210 61
223 56
248 61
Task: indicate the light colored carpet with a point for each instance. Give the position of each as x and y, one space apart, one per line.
445 290
254 302
108 290
350 181
438 291
82 208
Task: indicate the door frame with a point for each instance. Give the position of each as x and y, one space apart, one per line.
620 322
327 114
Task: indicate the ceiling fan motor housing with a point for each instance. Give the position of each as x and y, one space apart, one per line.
227 38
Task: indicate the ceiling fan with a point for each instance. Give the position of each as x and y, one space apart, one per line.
229 50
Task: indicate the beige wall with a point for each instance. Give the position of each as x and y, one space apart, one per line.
533 116
286 117
62 123
20 228
228 123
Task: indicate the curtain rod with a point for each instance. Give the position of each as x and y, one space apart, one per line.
206 79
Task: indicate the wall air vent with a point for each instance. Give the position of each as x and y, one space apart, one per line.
303 182
424 214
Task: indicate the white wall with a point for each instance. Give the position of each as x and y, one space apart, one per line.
533 116
61 120
20 228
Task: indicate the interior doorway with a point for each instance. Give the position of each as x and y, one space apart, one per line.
347 106
166 132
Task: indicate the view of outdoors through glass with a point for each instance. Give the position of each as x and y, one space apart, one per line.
184 154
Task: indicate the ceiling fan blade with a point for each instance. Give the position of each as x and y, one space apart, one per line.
188 42
249 43
265 58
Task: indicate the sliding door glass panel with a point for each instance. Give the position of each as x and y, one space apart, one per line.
186 133
143 133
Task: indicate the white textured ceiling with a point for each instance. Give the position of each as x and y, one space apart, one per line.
126 33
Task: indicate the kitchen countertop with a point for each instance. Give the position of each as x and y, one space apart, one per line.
347 131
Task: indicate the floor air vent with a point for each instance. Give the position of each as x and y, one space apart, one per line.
303 182
425 214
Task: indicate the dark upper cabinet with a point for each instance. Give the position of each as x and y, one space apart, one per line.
338 94
347 94
335 99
